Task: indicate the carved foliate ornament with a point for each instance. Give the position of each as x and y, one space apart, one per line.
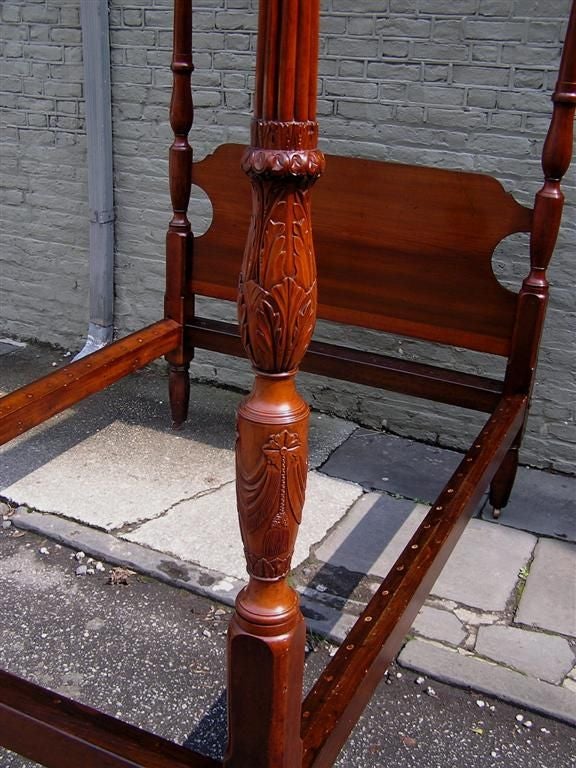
277 288
270 499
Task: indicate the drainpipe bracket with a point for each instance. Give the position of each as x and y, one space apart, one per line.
101 217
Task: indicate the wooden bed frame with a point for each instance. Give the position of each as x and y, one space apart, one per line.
401 249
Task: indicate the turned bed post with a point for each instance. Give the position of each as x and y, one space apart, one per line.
276 310
533 297
178 302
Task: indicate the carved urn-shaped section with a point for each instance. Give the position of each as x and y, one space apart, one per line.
277 287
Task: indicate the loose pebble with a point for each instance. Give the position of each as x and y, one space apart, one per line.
419 680
520 718
82 570
99 566
527 723
80 555
544 730
430 691
399 675
90 571
44 551
480 703
6 523
321 588
206 633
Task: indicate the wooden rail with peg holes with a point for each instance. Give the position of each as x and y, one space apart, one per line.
31 405
338 698
178 301
268 726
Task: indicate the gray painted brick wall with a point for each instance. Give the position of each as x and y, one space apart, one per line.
455 84
43 197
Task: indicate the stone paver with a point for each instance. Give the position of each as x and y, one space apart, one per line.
372 535
114 462
439 625
379 461
549 597
541 502
205 530
469 672
483 568
546 657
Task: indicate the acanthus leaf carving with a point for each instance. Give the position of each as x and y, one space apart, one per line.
277 290
277 325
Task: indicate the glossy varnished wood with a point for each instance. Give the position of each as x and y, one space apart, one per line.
61 733
31 405
533 298
277 296
336 701
178 302
400 248
466 390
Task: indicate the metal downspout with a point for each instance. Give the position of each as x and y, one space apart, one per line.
97 96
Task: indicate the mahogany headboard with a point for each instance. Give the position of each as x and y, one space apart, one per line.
391 242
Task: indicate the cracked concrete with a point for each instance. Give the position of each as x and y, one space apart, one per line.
164 504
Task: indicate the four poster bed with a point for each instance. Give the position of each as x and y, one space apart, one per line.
401 249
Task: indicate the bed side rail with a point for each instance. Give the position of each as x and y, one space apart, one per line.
31 405
336 701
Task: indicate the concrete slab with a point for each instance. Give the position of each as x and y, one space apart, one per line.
372 535
553 573
469 672
114 460
379 461
537 654
439 625
542 503
205 529
483 568
123 474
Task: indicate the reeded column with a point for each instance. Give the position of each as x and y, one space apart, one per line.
178 305
277 310
533 298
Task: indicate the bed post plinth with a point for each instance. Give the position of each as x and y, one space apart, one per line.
533 298
277 312
178 302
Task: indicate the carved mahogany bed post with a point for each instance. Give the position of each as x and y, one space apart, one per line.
178 302
277 311
533 297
